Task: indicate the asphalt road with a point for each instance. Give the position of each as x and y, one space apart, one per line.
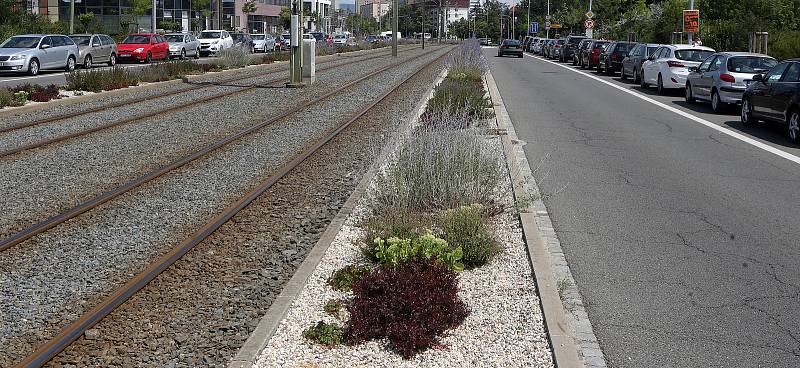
47 77
684 241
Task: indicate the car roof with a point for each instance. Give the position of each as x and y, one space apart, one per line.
142 34
681 46
741 53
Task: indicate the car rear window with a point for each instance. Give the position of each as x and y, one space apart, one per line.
81 40
750 64
601 45
651 50
576 40
174 38
692 55
511 42
258 37
624 47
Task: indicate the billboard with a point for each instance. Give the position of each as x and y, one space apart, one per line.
691 21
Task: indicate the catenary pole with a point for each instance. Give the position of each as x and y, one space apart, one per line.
395 26
153 18
689 35
72 16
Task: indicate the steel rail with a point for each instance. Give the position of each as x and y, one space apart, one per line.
272 82
205 85
72 332
104 197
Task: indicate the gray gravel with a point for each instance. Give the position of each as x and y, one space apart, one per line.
91 254
75 173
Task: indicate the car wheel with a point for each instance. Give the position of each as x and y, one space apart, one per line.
70 64
747 112
642 83
574 62
716 104
197 53
33 67
149 58
87 62
183 54
112 60
609 71
660 85
520 56
689 96
622 75
793 126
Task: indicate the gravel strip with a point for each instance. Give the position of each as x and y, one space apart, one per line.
75 173
505 327
90 255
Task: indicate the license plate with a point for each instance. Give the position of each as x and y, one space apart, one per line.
124 55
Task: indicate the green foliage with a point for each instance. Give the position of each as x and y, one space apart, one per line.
461 92
463 227
400 223
168 25
285 18
394 251
15 20
140 7
19 98
6 98
85 20
344 278
96 80
249 7
233 57
333 307
328 334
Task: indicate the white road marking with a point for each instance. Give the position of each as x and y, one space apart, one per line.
739 136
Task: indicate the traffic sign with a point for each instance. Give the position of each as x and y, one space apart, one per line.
547 25
589 24
547 17
534 28
555 25
691 21
589 14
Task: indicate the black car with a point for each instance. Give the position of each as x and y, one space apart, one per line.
610 60
243 40
632 65
569 48
577 56
510 47
775 96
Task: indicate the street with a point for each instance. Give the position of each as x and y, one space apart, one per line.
683 240
58 77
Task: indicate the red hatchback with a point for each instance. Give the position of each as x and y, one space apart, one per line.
143 47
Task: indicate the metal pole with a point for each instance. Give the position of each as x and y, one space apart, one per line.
513 20
72 16
153 19
548 18
395 26
423 26
689 35
528 32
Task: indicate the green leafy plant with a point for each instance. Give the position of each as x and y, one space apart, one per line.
5 97
397 223
19 98
464 227
333 307
328 334
233 57
96 80
344 278
394 251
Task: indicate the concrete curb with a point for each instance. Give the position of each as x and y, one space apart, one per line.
16 111
250 351
565 319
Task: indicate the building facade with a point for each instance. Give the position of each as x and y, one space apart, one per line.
375 8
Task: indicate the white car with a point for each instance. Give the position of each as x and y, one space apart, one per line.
668 66
214 41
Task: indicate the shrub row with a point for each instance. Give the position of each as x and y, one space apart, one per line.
427 222
17 96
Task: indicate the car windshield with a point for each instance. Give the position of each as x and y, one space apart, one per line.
174 38
259 37
575 40
208 34
339 37
285 36
751 64
136 39
81 40
692 54
21 43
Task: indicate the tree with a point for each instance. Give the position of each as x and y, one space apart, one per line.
460 28
85 19
139 8
285 18
203 8
248 8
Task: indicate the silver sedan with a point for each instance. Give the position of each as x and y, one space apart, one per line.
263 43
95 48
182 45
722 77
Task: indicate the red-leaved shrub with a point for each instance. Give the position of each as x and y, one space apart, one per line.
411 305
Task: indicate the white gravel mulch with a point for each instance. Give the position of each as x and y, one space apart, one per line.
504 329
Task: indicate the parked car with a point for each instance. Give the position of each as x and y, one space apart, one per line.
372 39
510 47
775 97
32 53
214 41
533 43
286 42
583 46
526 42
570 45
548 48
243 40
263 42
632 64
182 45
144 47
537 47
722 78
555 48
485 41
591 57
610 61
95 48
319 36
668 67
343 39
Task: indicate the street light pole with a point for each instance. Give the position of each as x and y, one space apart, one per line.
548 18
72 16
528 32
689 35
153 19
395 26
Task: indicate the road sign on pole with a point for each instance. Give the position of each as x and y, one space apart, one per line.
589 24
691 21
534 27
589 14
547 25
